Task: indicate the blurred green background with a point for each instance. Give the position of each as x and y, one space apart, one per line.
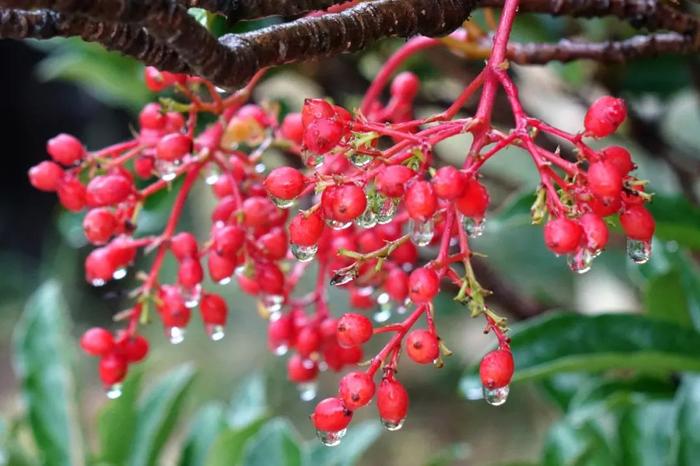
605 360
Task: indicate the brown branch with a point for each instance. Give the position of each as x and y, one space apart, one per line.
611 52
249 9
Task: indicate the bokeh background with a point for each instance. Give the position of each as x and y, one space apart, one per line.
68 86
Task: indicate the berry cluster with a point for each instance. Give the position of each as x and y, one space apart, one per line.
377 214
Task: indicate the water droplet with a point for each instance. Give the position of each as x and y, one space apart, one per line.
383 298
304 253
344 276
212 175
312 159
401 310
280 350
331 439
224 281
383 315
215 332
421 232
360 160
385 209
282 203
307 391
367 219
96 282
176 335
273 303
639 251
167 170
260 168
119 273
114 391
393 426
473 227
191 296
337 225
581 261
496 396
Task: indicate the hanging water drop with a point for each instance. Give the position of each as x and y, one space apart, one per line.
215 332
176 335
385 308
360 160
331 439
496 396
167 170
343 276
337 225
312 159
393 426
273 303
581 261
119 273
307 391
282 203
280 350
191 296
212 175
114 391
97 282
367 219
304 253
421 233
639 251
473 227
385 209
224 281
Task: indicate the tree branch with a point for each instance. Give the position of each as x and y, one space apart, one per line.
249 9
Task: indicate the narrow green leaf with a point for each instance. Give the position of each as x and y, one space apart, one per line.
645 433
208 423
354 445
157 415
117 421
571 443
42 363
276 443
676 220
228 447
249 403
688 422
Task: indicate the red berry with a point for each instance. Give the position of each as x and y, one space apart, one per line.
220 268
292 128
100 266
228 240
190 273
144 166
595 231
254 112
331 415
300 370
270 278
392 401
422 346
285 183
321 136
65 149
353 330
421 201
112 369
305 230
134 347
423 285
273 244
396 284
449 183
391 180
474 200
496 369
604 116
405 86
638 223
151 117
343 203
308 341
604 180
356 389
71 194
620 158
213 309
172 308
122 251
107 190
99 225
183 246
46 176
154 79
316 109
258 211
173 147
280 333
97 342
562 236
175 122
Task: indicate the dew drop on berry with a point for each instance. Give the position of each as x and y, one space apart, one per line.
260 168
114 391
119 273
421 233
368 219
215 332
212 175
167 170
385 309
224 281
191 296
304 253
473 227
496 396
273 303
307 390
639 251
343 276
581 261
280 350
176 335
337 225
393 426
385 208
331 439
360 160
97 282
311 159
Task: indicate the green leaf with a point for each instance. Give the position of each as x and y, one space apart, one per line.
42 364
677 219
157 415
209 422
249 403
569 444
228 447
354 445
688 422
645 434
117 421
276 443
566 342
